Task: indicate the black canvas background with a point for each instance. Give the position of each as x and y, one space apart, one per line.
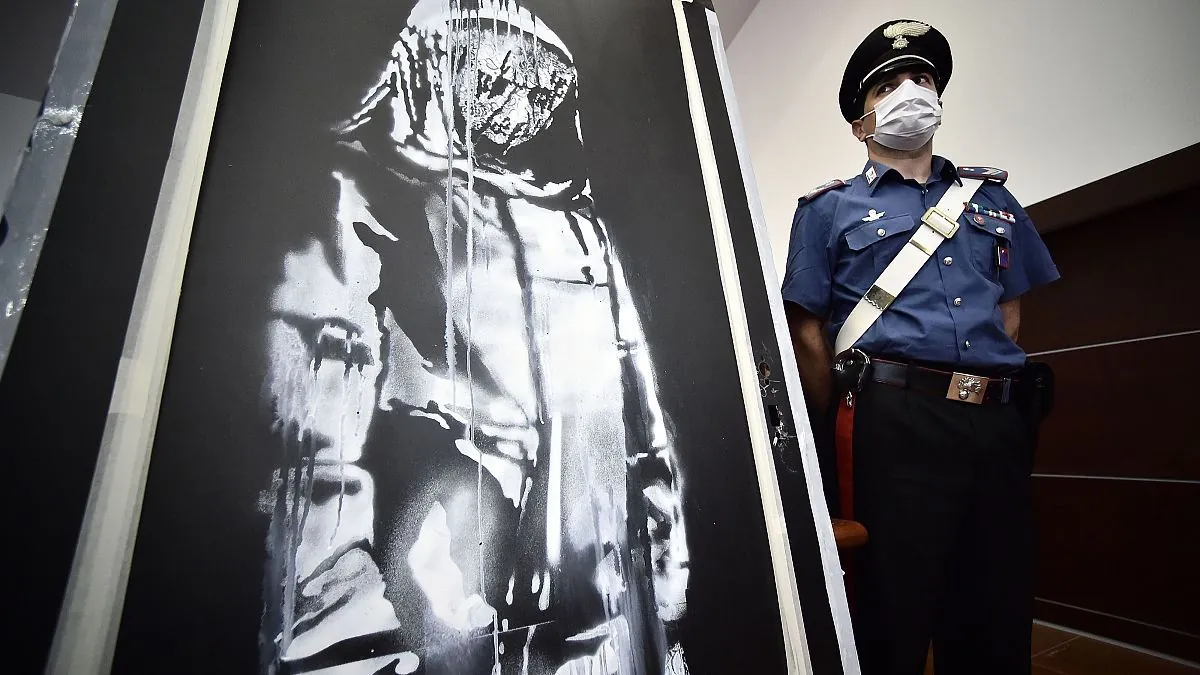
194 598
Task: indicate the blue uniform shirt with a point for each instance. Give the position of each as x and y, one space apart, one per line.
949 313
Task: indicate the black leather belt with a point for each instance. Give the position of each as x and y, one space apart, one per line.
963 387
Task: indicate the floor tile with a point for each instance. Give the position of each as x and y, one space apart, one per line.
1045 637
1084 656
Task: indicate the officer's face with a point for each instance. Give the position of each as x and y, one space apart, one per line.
879 91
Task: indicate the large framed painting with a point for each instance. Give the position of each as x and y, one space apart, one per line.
478 362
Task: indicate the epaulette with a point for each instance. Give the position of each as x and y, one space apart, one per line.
983 173
818 191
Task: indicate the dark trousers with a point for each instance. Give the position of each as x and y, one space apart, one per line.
943 489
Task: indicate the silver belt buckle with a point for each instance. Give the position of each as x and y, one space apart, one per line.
967 388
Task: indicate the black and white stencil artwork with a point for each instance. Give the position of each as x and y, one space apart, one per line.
473 295
452 388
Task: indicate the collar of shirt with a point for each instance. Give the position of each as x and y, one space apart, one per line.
878 173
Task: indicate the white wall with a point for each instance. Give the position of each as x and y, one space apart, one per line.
1058 92
733 14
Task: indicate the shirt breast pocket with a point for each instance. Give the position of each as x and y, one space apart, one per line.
879 241
988 236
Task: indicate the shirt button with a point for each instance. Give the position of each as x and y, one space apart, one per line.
947 261
967 344
881 232
958 303
999 230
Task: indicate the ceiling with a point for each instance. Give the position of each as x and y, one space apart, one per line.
732 14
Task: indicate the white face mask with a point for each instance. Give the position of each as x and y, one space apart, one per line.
906 118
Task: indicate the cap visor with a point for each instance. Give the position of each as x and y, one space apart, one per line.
895 63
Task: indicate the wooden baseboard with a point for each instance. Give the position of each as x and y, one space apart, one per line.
1159 639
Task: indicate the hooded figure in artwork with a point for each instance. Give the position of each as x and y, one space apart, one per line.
479 477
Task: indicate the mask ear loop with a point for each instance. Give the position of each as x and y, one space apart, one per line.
868 136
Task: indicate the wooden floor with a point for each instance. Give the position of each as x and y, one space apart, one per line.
1057 652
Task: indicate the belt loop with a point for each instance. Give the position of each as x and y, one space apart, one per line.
1007 393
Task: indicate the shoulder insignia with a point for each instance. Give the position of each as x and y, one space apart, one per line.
820 190
983 173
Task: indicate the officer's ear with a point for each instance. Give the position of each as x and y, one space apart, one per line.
856 128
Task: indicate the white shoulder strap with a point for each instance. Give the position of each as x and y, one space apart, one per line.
937 225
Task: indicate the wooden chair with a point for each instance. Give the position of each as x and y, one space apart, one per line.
848 534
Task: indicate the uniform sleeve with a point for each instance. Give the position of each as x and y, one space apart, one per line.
807 279
1030 265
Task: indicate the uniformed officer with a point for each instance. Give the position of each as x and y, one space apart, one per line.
903 289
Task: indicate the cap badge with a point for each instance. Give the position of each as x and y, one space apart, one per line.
900 31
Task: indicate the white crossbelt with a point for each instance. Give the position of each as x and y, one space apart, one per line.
937 225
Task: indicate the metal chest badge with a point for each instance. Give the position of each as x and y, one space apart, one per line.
993 213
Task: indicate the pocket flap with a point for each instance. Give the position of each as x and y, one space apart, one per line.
865 234
997 227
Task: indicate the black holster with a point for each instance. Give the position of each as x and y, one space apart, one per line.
1034 395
